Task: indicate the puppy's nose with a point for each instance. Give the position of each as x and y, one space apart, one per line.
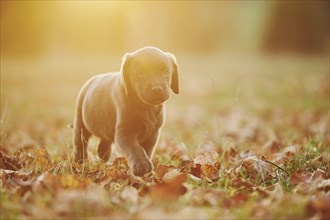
157 89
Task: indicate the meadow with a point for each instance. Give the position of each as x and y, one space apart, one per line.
247 137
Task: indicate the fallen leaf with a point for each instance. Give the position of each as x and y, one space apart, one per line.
318 174
318 206
196 170
238 183
299 177
162 169
256 168
188 166
169 190
185 165
277 158
231 153
207 158
128 197
15 180
73 182
171 175
43 159
290 151
210 172
324 185
194 178
274 145
204 196
78 202
9 163
239 198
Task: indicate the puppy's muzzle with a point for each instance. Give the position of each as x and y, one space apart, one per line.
157 89
159 94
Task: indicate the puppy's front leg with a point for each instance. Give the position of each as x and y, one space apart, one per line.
149 144
138 160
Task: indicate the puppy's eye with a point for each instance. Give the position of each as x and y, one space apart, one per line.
166 73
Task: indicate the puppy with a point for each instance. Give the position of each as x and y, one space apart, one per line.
127 108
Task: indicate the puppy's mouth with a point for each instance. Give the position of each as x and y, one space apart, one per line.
156 100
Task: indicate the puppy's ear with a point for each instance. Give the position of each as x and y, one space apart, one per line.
175 75
125 80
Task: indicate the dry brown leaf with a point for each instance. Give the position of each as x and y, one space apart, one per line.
116 174
318 206
194 178
46 181
277 158
299 177
78 202
210 172
239 198
262 209
16 181
73 182
130 196
43 159
185 165
9 163
324 185
257 168
238 182
306 182
323 158
54 183
162 169
231 153
318 174
211 197
273 145
290 151
169 190
171 175
206 158
188 166
196 170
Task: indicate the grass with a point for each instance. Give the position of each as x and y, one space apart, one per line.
235 106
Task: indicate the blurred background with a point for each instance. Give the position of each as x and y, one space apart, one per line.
95 28
231 54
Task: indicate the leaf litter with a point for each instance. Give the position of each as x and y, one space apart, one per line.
257 169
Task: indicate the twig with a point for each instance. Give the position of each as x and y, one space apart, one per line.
264 159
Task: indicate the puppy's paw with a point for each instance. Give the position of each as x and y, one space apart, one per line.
141 167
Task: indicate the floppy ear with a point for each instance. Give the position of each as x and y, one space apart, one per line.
125 74
175 75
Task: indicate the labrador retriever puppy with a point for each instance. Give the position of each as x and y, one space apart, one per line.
127 108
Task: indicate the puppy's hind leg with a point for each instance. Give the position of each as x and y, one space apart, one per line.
80 140
104 150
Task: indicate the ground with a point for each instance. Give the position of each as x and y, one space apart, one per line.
247 137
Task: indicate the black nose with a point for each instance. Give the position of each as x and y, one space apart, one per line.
157 89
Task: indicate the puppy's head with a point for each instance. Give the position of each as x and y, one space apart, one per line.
150 74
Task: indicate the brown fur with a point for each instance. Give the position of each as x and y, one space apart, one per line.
127 108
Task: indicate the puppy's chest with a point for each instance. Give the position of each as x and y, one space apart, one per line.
150 123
